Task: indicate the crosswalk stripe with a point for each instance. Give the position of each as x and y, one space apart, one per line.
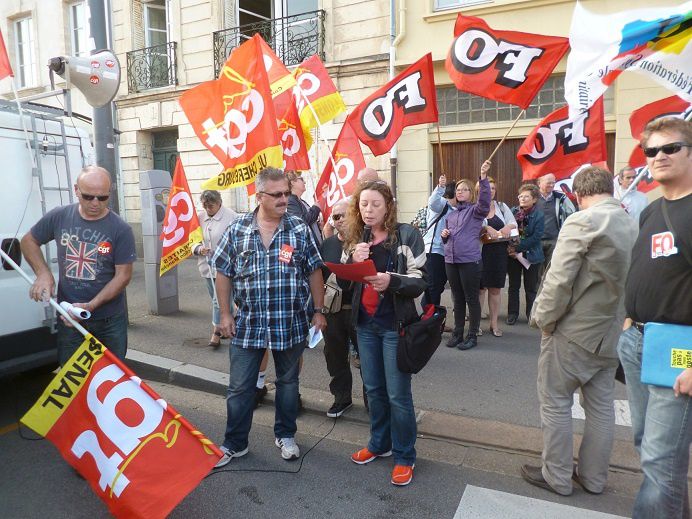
622 411
485 503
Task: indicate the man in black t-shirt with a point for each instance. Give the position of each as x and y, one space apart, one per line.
659 289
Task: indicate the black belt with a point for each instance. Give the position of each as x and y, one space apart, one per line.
638 326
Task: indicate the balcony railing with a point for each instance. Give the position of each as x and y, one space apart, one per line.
152 67
293 38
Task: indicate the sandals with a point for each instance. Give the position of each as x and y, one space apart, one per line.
217 343
496 332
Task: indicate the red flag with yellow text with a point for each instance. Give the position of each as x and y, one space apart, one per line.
234 117
559 145
138 454
408 99
340 182
316 87
280 78
180 224
507 66
5 67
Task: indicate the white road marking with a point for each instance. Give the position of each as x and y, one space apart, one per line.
622 411
484 503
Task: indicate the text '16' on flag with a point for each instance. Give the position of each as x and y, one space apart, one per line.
339 180
507 66
181 226
559 145
5 67
138 454
233 116
672 106
408 99
656 42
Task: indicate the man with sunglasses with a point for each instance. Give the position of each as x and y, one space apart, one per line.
268 262
659 290
634 202
96 250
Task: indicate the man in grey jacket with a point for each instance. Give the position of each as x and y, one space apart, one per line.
556 207
580 313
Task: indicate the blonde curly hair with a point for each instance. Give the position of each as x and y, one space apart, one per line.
354 221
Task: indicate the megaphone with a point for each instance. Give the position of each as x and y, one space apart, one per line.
96 76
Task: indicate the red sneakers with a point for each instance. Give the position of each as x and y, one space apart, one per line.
402 475
364 456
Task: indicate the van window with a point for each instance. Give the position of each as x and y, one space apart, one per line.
10 246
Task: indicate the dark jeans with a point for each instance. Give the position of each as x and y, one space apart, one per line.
548 248
110 331
240 402
437 277
465 282
336 336
531 279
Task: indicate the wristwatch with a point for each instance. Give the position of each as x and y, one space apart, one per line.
324 310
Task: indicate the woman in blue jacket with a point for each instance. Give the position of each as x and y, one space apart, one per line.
530 223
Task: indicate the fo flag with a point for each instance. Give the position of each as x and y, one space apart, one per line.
5 67
317 88
559 145
234 117
180 224
339 182
506 66
137 453
293 141
406 100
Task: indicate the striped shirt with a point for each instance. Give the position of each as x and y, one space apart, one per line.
270 286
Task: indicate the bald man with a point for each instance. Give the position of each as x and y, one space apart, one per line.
96 249
556 207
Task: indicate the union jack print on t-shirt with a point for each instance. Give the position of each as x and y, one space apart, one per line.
80 260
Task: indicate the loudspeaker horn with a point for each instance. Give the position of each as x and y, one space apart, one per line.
96 76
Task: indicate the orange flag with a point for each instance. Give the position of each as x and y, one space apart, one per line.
315 84
180 224
293 141
280 78
138 454
234 117
5 67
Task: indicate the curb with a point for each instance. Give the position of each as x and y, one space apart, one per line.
461 430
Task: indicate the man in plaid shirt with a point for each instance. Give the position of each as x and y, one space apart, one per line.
270 263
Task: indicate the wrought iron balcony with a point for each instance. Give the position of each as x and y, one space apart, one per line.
293 38
152 67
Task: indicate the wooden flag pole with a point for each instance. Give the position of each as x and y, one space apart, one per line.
506 134
439 149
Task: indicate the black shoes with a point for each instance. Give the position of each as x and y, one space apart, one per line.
260 393
455 340
578 481
534 475
511 319
471 341
336 410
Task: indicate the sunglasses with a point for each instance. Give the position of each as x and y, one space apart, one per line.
669 149
89 198
278 194
337 217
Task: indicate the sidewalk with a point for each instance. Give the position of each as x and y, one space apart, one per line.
174 349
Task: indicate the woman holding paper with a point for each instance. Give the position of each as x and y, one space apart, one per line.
379 305
526 255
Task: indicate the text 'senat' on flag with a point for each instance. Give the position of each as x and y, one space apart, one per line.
408 99
654 41
293 140
180 224
139 455
507 66
5 67
672 106
315 84
340 182
234 117
559 145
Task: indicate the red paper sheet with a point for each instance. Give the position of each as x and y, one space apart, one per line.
353 271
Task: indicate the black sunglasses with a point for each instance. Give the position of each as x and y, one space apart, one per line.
668 149
89 198
337 217
278 194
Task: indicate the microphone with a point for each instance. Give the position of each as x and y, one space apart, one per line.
367 234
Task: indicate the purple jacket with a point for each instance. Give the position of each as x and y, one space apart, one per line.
464 223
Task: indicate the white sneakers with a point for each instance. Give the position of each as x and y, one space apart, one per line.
228 455
289 449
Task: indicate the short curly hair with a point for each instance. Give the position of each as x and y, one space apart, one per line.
593 181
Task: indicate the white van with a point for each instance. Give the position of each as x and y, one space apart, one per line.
27 328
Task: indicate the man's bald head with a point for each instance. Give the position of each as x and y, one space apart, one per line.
342 202
546 184
367 175
93 189
94 177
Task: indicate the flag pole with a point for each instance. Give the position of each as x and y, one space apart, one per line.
52 301
439 148
523 111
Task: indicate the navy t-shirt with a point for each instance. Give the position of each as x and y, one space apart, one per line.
88 251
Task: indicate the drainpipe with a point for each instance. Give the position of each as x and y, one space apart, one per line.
395 40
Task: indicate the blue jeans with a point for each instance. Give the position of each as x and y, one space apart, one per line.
392 418
111 331
215 310
662 428
240 402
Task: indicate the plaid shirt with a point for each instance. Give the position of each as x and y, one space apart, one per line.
271 295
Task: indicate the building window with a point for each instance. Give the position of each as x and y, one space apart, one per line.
440 5
24 44
155 23
457 107
78 29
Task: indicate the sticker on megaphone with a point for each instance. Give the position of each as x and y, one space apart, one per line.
75 311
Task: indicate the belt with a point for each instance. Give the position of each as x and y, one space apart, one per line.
638 326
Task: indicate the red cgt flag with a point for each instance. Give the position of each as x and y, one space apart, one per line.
340 182
280 78
408 99
180 224
293 141
315 85
507 66
138 454
234 117
5 67
559 145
